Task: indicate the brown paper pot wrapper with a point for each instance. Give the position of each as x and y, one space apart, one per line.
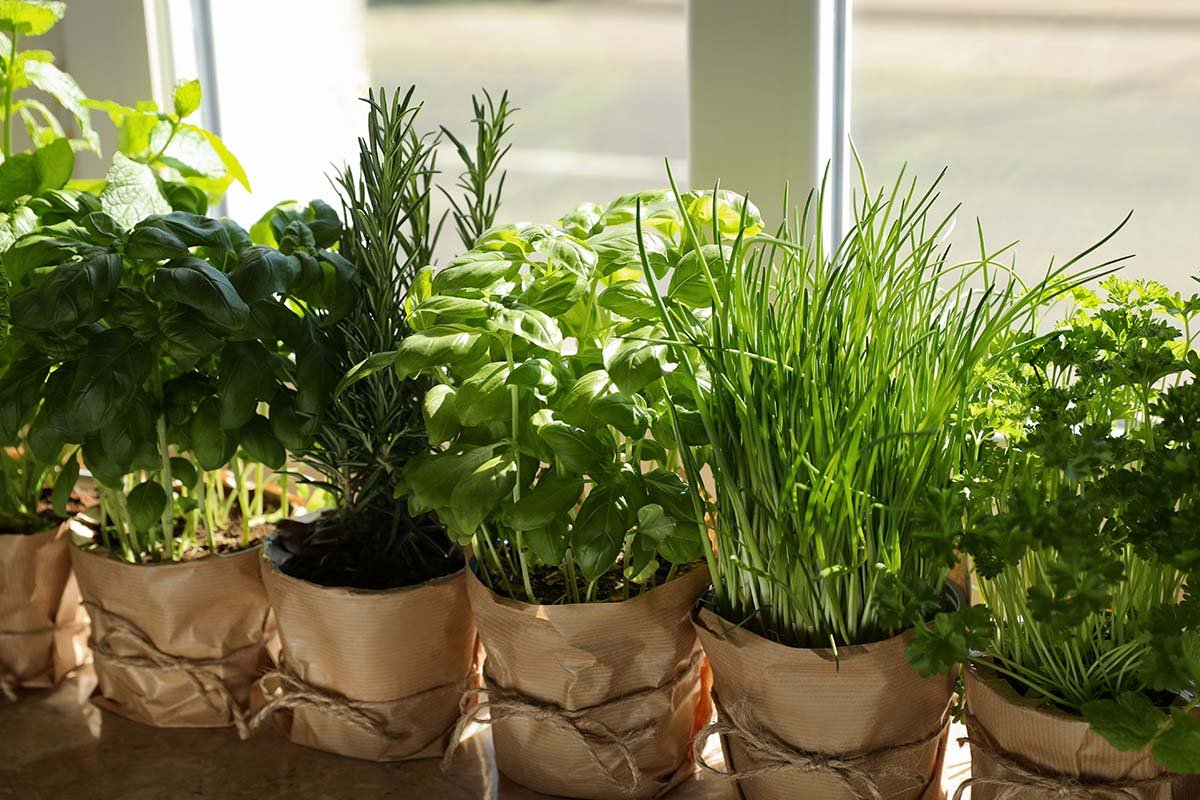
43 628
568 682
176 645
870 714
1011 734
370 674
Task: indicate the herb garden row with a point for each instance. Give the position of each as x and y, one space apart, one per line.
654 475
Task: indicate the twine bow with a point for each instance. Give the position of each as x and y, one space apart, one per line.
857 773
293 692
595 736
1021 775
200 672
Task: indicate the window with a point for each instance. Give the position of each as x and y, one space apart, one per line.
1054 119
602 87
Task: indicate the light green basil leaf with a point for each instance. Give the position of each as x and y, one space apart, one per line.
441 414
550 500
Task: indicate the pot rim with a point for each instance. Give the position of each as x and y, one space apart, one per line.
269 563
79 541
838 654
699 566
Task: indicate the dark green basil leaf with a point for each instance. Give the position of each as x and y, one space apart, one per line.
261 444
20 389
599 531
109 373
211 444
245 379
185 337
73 294
263 272
196 283
146 503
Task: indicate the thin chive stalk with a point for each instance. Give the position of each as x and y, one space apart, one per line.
829 381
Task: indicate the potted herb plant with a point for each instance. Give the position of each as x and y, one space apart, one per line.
40 621
377 638
830 376
558 467
152 347
1083 526
42 629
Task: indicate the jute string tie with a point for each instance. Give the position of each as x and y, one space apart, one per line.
202 673
857 773
595 736
292 692
1020 775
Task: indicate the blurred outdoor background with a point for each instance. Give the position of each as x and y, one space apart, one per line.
1056 117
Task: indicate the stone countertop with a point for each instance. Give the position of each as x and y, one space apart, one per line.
57 746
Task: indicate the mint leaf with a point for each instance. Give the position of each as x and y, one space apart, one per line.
18 177
187 98
55 162
1128 723
232 166
30 17
131 193
63 88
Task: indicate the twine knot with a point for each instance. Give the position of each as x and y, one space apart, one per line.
1021 775
858 774
202 673
506 703
292 692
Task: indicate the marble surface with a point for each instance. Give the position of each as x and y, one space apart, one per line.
56 745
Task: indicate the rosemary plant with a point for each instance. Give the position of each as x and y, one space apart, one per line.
374 424
831 378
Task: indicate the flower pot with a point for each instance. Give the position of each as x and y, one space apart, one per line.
593 700
43 630
798 722
370 674
1027 749
176 644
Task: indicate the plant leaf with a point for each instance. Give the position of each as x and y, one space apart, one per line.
131 192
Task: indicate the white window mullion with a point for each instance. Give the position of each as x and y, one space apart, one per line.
769 99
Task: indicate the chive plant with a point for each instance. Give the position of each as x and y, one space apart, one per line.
829 384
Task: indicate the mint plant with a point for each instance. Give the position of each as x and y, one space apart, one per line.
1083 521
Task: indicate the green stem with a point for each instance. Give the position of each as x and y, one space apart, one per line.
259 493
210 522
243 500
164 454
9 80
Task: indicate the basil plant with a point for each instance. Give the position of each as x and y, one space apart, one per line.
560 421
161 354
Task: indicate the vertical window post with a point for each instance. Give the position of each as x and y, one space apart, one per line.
769 100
